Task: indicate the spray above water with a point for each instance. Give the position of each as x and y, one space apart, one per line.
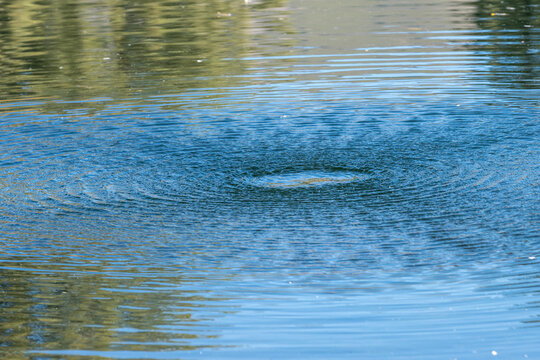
306 179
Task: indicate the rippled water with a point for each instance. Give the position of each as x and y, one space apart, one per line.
269 179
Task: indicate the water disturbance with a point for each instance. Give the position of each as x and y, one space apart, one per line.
270 179
305 179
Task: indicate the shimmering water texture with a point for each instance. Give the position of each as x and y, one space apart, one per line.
269 179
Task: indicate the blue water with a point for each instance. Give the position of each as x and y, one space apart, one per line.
270 180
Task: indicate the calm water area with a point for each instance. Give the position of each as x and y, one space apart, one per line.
269 179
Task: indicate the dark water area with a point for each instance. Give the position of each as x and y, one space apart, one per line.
269 179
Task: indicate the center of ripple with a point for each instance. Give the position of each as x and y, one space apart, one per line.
307 179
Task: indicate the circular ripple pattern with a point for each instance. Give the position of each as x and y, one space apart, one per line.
429 192
256 176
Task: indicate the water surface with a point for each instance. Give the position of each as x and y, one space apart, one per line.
269 179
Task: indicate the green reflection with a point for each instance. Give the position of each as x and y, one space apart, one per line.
79 50
101 305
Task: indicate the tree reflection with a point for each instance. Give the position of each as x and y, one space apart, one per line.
513 43
79 305
75 50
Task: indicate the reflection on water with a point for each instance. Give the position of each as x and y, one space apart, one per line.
262 179
75 303
77 50
510 33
